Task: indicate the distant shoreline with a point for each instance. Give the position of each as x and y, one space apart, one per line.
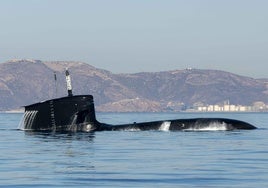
12 112
181 112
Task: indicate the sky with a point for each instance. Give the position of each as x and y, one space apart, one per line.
129 36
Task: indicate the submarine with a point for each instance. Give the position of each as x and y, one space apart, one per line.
76 113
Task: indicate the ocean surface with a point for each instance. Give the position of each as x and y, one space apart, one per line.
211 158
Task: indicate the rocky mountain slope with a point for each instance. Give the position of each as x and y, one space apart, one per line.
24 82
195 86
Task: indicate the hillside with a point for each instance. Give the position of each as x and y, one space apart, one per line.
195 86
24 82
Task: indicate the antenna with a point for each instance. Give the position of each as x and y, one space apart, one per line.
56 84
69 84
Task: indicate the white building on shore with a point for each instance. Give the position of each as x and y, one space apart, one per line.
225 108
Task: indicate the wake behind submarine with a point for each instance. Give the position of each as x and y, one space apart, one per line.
77 114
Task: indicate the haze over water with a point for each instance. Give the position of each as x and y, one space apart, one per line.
136 36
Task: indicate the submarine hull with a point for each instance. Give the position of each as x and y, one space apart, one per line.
77 114
188 125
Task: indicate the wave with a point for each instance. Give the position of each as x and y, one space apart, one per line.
213 126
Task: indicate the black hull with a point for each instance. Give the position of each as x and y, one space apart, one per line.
198 124
60 114
77 114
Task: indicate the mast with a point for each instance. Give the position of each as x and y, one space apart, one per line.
56 84
69 84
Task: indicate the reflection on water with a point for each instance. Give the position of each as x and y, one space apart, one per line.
52 136
135 159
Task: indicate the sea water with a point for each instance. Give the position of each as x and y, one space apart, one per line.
197 158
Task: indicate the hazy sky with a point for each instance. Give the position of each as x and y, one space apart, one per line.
139 35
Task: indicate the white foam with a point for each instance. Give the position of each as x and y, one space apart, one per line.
88 127
214 126
27 120
165 126
21 124
74 119
131 129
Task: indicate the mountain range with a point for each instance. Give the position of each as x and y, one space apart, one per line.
25 81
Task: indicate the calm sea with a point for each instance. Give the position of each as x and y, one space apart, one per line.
136 159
